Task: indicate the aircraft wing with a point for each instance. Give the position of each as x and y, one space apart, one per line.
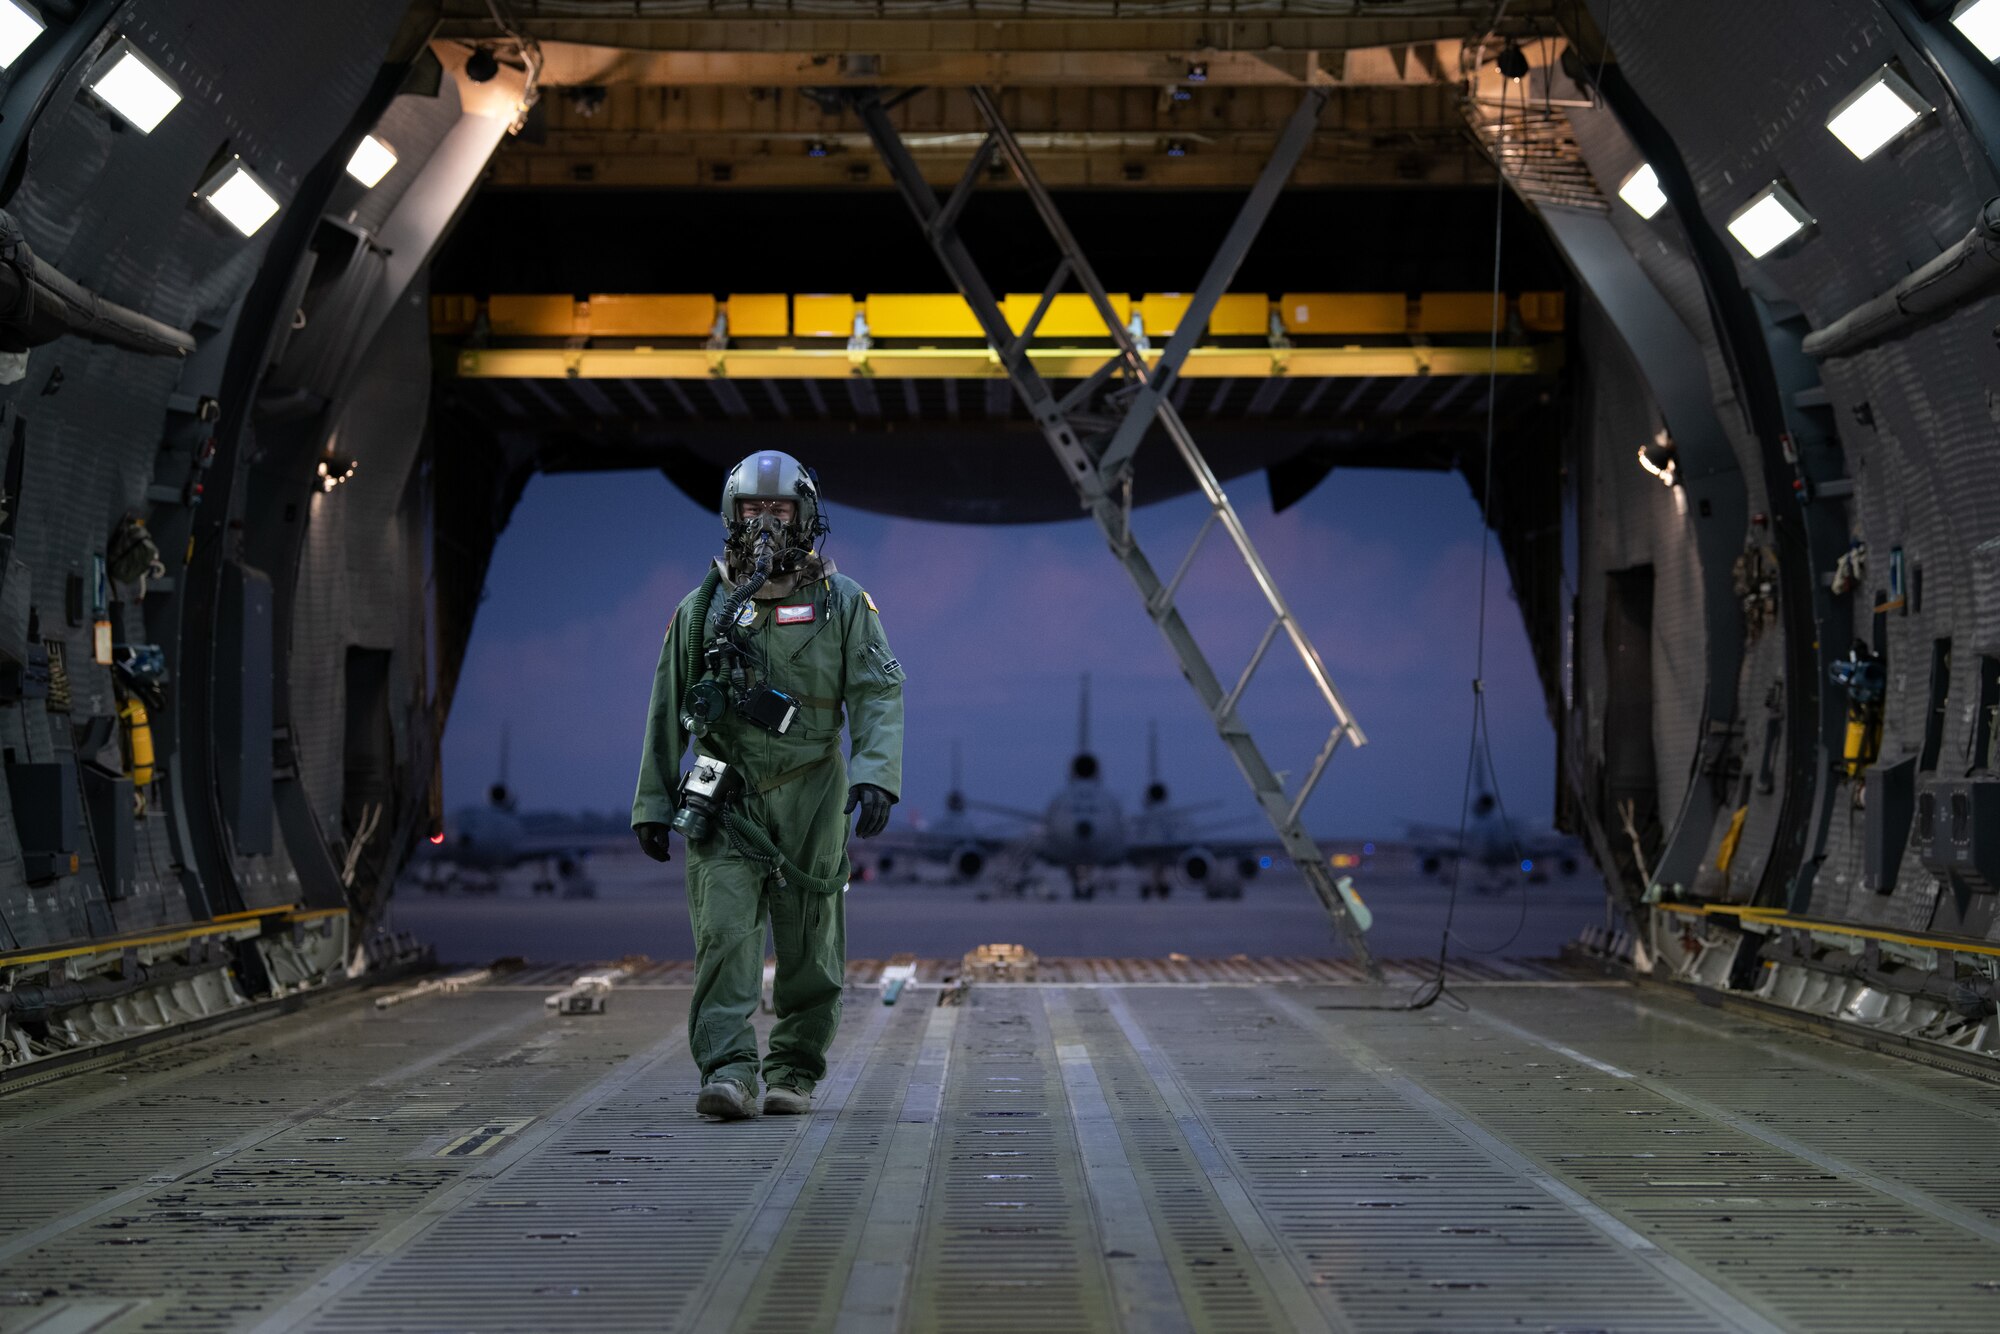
1011 812
576 845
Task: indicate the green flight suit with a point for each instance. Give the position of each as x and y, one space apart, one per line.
824 646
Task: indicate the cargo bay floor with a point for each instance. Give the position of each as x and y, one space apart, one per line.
1230 1151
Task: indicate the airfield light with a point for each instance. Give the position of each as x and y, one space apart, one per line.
134 87
1642 191
241 199
1978 21
1770 219
1368 849
19 27
1264 863
371 161
1876 113
1527 865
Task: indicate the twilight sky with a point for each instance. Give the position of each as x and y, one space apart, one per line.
995 625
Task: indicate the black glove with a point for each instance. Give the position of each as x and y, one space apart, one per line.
874 803
653 841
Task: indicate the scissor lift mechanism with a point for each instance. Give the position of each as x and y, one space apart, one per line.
1095 428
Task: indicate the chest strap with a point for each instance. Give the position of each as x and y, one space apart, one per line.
774 783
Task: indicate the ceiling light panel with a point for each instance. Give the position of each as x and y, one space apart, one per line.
1876 112
1642 191
134 87
19 27
1979 22
1769 220
371 161
243 200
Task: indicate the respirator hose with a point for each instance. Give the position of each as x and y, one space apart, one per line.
760 574
691 660
750 841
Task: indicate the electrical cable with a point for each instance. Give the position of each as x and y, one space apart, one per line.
1433 989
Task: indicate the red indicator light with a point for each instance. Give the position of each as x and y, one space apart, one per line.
438 837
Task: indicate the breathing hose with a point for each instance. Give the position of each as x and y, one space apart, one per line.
691 660
752 842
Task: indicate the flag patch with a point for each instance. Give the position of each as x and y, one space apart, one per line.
795 615
871 602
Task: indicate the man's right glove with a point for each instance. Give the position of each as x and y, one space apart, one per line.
653 841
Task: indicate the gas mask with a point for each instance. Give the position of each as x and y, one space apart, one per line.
750 540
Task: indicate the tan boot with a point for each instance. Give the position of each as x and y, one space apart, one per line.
726 1100
784 1100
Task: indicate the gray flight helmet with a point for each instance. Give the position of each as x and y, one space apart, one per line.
771 475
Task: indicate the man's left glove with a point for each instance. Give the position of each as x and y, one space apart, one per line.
874 804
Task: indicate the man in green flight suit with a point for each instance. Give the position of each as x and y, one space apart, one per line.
758 666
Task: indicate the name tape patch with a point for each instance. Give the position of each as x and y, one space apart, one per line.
795 615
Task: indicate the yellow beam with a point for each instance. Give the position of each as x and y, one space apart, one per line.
1779 917
241 923
946 315
966 363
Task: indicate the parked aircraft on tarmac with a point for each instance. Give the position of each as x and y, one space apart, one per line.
478 842
1496 850
1083 829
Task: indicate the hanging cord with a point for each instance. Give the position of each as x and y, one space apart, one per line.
1432 990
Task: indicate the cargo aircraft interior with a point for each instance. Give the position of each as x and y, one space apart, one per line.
1699 304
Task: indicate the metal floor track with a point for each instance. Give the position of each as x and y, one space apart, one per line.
1099 1154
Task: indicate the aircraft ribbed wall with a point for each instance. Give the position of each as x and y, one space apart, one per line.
360 581
1746 102
1630 520
110 207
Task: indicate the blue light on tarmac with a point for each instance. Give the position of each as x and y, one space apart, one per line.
1368 849
1264 863
1527 865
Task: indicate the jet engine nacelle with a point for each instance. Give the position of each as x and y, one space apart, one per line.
1197 864
966 861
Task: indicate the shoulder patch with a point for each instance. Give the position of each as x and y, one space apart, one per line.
871 602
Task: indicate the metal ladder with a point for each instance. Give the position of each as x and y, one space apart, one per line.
1095 428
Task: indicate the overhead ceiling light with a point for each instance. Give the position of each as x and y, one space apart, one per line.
1979 22
1642 191
239 197
371 161
1771 218
134 87
1876 112
19 27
